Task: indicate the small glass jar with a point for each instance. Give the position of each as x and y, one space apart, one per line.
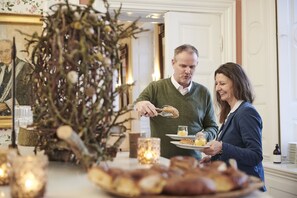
182 130
4 167
148 151
28 176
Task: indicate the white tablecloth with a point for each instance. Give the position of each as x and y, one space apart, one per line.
70 181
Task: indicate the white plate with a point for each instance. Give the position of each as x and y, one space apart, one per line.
188 146
178 137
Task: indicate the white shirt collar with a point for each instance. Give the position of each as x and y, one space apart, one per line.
237 104
9 67
179 87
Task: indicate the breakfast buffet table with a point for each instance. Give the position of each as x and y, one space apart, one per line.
67 180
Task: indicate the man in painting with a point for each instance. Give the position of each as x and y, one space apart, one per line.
22 72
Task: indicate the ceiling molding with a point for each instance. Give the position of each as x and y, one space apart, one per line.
174 5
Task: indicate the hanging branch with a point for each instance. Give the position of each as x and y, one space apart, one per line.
75 59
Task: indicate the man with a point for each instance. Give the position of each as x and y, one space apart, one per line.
192 100
22 71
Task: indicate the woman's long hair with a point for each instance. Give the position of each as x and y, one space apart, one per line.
242 87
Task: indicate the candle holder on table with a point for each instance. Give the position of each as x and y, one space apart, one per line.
148 151
28 176
4 167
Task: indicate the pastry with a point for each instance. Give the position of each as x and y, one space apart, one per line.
201 141
190 185
103 176
225 178
183 177
183 162
172 110
187 141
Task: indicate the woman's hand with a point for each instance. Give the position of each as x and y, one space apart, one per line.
205 160
214 148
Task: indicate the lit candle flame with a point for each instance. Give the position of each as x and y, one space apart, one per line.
30 182
3 171
148 155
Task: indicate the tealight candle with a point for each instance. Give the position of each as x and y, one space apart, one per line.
148 151
4 167
28 176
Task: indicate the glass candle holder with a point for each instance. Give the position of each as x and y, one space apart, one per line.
148 151
182 130
28 176
4 167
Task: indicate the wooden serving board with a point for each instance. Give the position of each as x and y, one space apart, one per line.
254 184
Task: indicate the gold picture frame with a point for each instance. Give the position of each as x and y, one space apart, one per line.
9 24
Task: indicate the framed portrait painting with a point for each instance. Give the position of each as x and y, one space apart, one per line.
10 25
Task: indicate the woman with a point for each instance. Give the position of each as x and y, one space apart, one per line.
240 136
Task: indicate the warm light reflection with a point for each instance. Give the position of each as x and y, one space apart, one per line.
148 155
148 151
130 80
30 182
4 167
28 176
2 194
154 78
1 172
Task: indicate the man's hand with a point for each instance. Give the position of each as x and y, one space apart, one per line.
3 106
146 108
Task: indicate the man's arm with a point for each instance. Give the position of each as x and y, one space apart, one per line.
143 103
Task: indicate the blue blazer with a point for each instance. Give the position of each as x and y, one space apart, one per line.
242 140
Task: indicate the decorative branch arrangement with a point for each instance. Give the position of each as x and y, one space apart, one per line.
75 60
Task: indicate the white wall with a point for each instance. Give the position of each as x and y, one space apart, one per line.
259 50
260 62
287 47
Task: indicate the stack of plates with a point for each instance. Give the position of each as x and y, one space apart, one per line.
292 152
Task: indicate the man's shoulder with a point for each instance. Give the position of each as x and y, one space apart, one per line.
199 86
25 65
161 82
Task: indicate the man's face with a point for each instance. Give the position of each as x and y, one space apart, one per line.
5 52
184 66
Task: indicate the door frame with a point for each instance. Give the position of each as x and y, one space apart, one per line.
225 8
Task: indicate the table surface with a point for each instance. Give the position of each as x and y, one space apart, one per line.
71 181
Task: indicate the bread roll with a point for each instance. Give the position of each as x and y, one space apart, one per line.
187 186
167 172
239 178
226 179
139 181
183 162
187 141
103 176
183 177
126 185
172 110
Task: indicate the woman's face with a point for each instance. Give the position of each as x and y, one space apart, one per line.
224 88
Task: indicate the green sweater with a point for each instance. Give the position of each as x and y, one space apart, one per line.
195 110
